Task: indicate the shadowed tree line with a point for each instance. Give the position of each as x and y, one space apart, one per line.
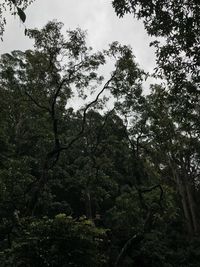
97 187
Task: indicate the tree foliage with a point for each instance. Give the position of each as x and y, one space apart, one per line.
95 187
15 7
177 23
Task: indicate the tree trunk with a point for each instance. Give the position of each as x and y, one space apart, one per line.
186 209
88 205
193 206
187 199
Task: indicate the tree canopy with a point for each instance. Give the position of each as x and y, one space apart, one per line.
99 186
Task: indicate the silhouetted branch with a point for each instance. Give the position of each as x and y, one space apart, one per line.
58 149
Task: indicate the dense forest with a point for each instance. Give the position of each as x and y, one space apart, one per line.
115 182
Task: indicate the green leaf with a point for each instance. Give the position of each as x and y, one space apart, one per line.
21 14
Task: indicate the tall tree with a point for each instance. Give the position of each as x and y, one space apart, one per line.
178 23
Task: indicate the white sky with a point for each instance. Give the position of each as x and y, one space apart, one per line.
95 16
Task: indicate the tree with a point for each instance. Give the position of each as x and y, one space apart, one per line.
92 186
175 123
178 23
15 7
60 241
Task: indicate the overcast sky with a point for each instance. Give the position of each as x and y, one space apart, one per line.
95 16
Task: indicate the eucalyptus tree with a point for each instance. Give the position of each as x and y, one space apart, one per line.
38 85
170 116
178 23
43 81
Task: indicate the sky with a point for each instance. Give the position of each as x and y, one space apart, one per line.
95 16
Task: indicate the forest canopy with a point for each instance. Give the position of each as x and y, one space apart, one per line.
116 181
